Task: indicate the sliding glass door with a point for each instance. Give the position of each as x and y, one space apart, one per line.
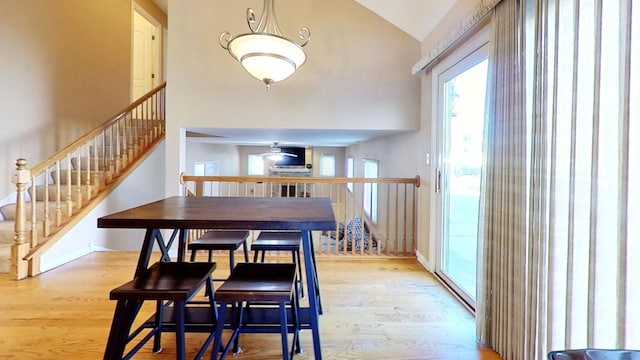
460 122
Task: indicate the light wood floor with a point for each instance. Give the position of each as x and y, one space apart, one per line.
373 309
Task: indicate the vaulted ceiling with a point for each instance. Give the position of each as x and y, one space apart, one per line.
415 17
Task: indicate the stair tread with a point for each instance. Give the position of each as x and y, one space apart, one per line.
6 233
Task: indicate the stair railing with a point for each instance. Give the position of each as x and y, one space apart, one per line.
374 216
51 193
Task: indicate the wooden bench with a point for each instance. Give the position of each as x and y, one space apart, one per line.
279 241
265 284
166 283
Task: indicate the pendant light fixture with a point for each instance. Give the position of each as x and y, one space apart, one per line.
264 52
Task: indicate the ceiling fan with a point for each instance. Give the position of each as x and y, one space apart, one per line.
275 153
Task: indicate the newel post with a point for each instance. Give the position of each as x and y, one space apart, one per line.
20 248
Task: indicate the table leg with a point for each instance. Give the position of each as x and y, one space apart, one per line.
182 244
147 248
164 247
311 289
153 236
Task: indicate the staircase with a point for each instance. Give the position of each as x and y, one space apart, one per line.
54 195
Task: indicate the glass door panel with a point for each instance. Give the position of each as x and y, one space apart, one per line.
462 89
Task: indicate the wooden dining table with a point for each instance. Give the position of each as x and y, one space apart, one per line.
179 214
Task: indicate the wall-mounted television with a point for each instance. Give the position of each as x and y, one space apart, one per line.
298 160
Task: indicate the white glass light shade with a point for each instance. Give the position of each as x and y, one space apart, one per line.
269 58
275 157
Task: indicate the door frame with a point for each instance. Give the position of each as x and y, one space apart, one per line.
468 48
157 50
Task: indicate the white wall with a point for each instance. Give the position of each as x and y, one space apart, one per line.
227 156
338 152
64 69
404 155
357 75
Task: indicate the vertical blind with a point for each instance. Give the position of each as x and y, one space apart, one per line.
582 235
587 151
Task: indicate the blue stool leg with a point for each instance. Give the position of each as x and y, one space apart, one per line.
245 250
214 317
232 260
296 260
157 343
284 331
178 310
217 341
295 305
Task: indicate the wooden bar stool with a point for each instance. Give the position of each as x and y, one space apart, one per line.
229 240
279 241
265 284
166 283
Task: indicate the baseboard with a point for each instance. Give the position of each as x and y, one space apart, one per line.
61 260
424 262
172 252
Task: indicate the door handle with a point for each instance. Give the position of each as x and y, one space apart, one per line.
438 180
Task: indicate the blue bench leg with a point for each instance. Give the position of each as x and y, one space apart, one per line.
284 331
217 341
178 310
157 338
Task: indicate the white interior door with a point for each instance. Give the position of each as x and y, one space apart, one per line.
145 55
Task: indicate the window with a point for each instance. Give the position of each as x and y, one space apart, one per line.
327 165
255 165
371 190
198 169
207 168
349 172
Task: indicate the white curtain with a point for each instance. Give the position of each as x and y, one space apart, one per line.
575 257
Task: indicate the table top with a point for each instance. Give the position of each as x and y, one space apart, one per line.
250 213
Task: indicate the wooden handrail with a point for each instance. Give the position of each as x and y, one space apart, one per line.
306 179
61 154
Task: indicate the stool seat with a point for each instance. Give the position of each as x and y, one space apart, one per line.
220 240
289 237
280 241
229 240
258 282
275 244
165 281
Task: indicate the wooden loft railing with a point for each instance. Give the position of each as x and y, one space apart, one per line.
53 195
388 230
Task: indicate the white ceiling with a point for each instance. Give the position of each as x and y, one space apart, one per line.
285 137
415 17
